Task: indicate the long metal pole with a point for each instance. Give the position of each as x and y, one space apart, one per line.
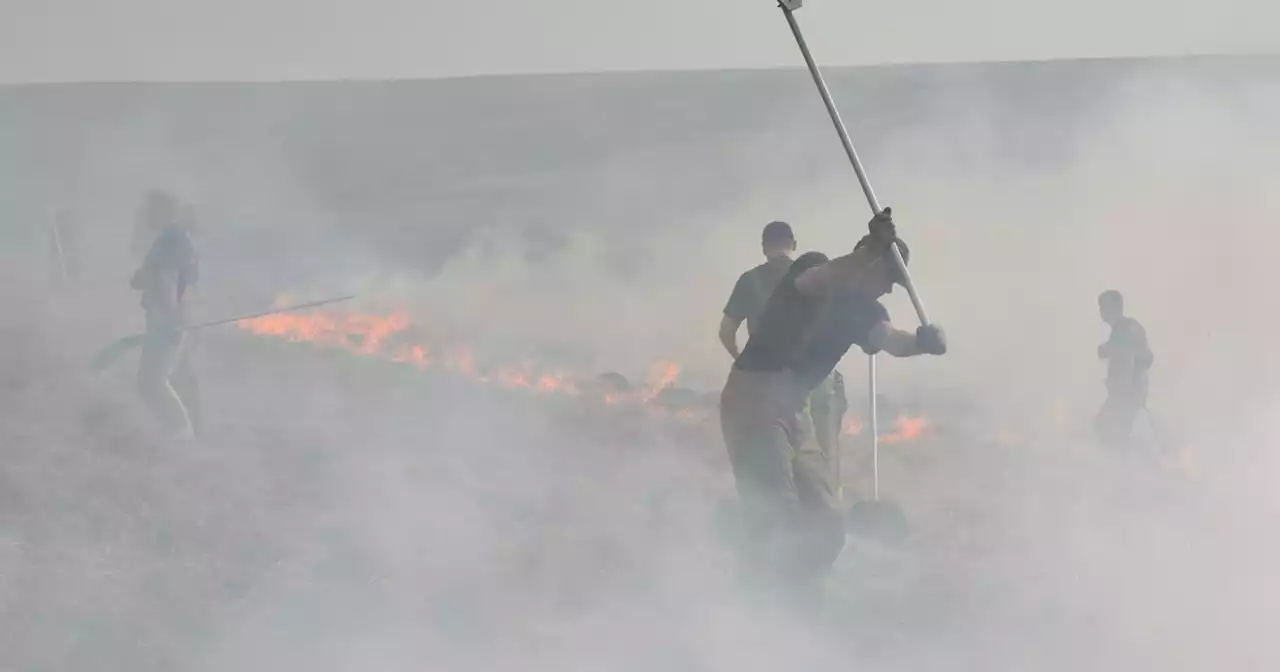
831 108
113 350
875 430
287 309
787 7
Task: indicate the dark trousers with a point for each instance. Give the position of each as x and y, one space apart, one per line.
1114 422
167 383
787 490
827 406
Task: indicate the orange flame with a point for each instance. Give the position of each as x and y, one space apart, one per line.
391 337
362 334
394 337
905 428
661 376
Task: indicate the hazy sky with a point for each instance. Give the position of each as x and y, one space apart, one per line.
78 40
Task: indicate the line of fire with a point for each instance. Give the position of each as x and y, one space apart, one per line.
394 336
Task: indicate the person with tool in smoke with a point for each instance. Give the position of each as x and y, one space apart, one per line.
828 403
1129 358
789 495
166 278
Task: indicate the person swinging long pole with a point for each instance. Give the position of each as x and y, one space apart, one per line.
788 8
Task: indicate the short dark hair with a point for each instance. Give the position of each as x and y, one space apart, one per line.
902 248
803 263
809 259
1111 297
777 232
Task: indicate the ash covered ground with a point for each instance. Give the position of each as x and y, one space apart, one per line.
351 513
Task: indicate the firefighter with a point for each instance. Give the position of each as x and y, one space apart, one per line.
165 278
1128 358
789 495
828 403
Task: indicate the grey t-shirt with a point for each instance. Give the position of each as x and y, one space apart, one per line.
752 291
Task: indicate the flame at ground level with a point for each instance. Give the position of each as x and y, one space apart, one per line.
394 337
905 428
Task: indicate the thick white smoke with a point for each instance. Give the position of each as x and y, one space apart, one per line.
348 516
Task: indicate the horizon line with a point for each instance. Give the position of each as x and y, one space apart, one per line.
623 72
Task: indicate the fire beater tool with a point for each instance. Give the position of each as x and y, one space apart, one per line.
877 518
106 356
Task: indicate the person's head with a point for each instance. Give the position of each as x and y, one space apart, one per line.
777 240
159 209
882 273
803 263
1111 306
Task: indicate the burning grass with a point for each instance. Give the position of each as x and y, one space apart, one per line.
396 338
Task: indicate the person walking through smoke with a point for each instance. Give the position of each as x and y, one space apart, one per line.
827 403
165 278
1128 358
820 308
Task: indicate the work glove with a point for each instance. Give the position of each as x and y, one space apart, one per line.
1102 351
931 339
882 228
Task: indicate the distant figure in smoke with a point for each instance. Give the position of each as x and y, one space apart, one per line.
828 403
788 492
1128 358
166 277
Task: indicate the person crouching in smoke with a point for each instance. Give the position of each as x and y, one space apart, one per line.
788 493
